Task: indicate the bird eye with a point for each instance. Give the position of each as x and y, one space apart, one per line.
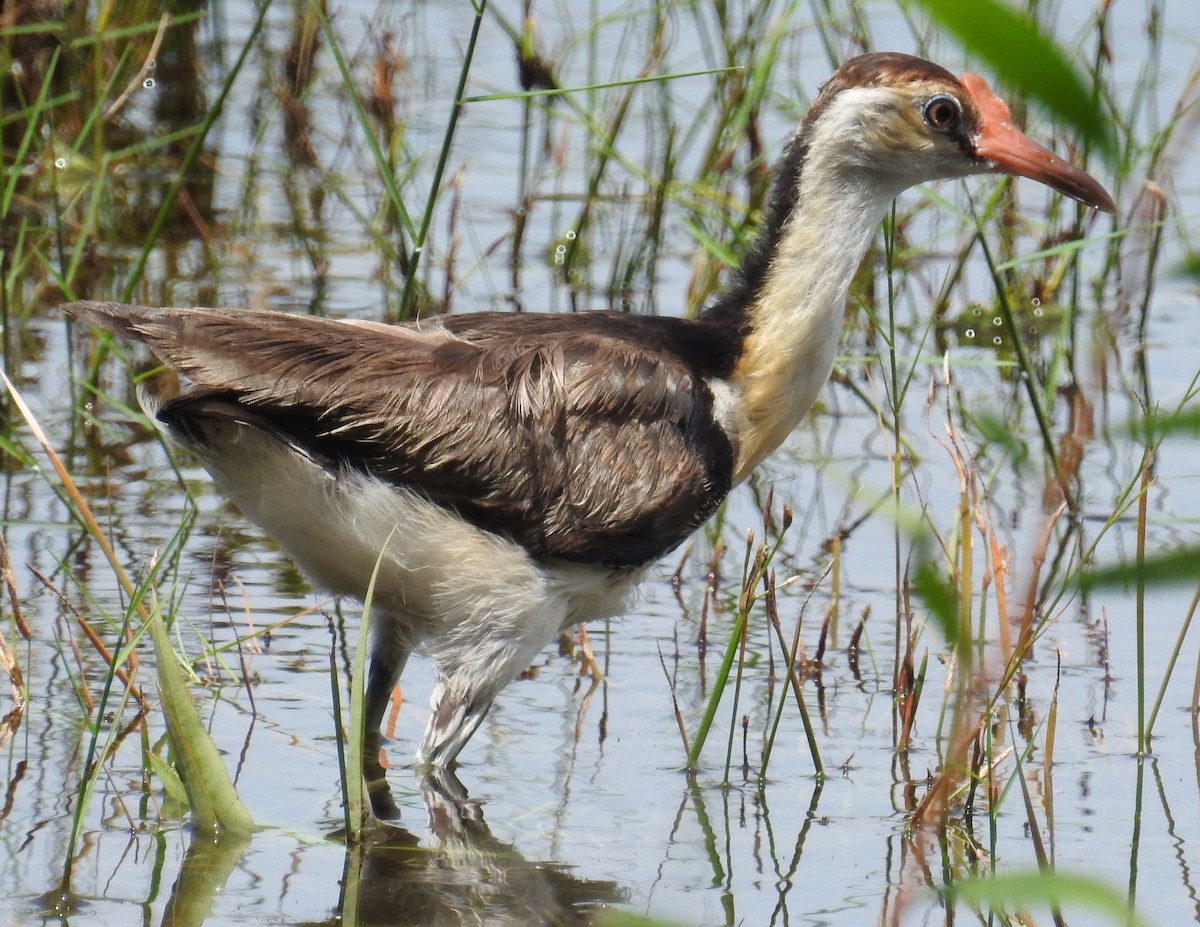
942 111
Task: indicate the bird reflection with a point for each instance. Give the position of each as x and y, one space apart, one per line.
463 875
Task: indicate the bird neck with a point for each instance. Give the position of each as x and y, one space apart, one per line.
792 314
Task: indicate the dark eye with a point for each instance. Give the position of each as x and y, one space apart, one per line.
941 112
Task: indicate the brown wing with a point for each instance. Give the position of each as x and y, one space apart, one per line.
588 437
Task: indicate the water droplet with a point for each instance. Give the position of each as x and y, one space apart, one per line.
1037 310
970 333
60 163
1036 302
996 320
997 341
571 235
148 83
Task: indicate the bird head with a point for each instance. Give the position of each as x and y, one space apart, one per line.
895 120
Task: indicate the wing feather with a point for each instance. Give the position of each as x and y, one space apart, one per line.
588 437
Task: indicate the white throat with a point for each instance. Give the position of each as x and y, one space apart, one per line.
796 322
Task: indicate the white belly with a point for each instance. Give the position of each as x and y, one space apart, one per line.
435 573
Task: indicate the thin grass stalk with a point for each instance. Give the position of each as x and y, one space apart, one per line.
906 697
1195 711
567 92
1143 736
611 130
1035 836
683 736
382 162
350 820
91 221
966 571
27 137
776 709
889 250
1025 367
1000 574
918 687
658 193
1170 670
352 772
17 690
740 620
993 815
739 92
164 21
98 645
740 675
1135 836
1048 760
410 277
790 655
73 496
192 154
92 766
91 130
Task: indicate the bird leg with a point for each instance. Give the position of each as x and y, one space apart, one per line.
457 714
382 677
387 662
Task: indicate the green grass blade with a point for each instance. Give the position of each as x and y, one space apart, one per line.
216 807
1181 565
718 690
1027 60
1020 890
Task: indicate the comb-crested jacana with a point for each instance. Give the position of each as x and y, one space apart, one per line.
517 472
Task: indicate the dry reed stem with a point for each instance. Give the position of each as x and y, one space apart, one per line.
979 691
82 687
10 584
72 491
125 675
974 688
12 718
243 665
687 747
147 66
8 662
1000 578
1137 258
585 704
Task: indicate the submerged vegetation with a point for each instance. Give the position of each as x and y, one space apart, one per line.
937 591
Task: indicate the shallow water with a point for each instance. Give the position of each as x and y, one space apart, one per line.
578 796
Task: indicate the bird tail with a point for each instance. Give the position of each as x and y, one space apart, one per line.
118 318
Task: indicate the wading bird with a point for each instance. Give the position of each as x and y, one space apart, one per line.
513 474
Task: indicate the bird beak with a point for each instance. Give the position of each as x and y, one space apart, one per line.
1009 151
